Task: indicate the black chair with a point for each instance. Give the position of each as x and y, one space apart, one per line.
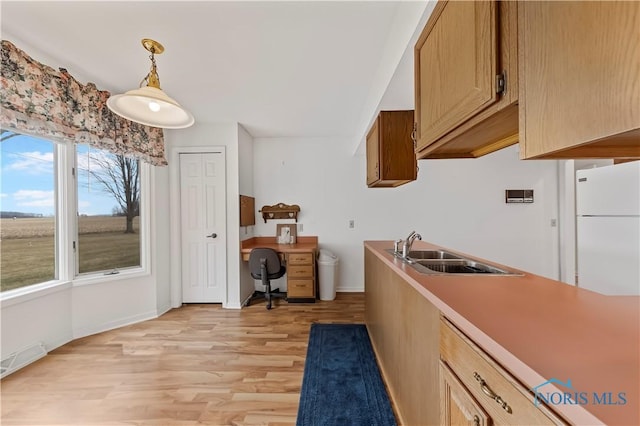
265 265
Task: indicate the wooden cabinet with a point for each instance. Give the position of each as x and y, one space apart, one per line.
391 160
580 79
247 211
404 331
301 277
479 385
466 80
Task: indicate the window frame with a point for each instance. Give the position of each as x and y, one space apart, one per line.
81 279
20 294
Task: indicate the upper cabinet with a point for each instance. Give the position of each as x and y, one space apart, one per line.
466 79
391 160
580 79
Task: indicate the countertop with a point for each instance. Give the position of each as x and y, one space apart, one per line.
304 244
539 329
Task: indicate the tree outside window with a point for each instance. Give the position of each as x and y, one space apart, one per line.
108 211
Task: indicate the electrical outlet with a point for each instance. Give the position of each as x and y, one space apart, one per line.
300 227
352 224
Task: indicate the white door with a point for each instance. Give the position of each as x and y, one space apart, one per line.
203 213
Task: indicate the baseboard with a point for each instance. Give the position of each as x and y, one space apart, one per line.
359 289
232 306
88 331
243 304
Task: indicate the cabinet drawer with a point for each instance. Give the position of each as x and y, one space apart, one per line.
504 399
300 259
300 271
300 288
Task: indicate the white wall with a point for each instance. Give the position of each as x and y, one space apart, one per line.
160 240
43 318
458 204
245 163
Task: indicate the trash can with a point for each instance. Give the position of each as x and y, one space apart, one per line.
328 273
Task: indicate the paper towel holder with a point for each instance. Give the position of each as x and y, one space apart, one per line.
280 211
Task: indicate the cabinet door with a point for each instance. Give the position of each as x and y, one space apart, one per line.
373 154
456 62
580 79
391 159
457 406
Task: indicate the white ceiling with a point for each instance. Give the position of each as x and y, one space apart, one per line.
281 69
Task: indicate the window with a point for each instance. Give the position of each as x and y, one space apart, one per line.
51 220
28 212
108 188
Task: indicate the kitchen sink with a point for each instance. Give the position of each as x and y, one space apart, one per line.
459 266
440 262
415 255
431 254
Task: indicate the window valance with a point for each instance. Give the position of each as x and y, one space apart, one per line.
38 100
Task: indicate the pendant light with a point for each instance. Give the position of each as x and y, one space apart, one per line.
149 105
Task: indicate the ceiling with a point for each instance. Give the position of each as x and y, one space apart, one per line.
281 69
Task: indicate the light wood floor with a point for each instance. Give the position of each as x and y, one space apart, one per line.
199 364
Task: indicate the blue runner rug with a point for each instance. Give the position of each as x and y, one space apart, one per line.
342 384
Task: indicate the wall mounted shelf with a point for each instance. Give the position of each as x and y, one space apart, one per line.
280 211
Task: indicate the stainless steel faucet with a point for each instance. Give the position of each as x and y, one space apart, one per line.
406 246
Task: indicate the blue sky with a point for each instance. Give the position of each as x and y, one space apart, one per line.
27 183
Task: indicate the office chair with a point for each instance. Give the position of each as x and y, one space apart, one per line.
264 264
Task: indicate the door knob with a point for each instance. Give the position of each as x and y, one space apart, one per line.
214 235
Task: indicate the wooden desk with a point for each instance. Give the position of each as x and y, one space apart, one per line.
300 259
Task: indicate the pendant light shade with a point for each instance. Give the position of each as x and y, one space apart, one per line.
149 105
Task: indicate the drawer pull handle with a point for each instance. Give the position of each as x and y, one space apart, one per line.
491 394
476 420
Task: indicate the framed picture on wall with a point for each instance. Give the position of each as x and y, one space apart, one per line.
286 233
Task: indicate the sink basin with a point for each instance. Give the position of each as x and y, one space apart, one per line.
432 254
459 266
415 255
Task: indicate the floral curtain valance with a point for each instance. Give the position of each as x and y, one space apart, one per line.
38 100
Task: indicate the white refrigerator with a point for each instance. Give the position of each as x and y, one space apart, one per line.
608 229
